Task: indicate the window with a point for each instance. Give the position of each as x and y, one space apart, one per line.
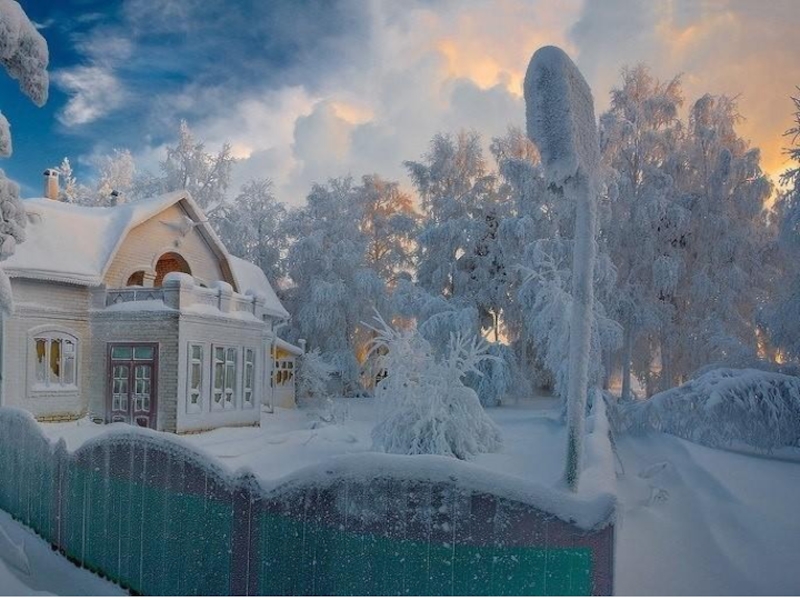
55 361
194 384
171 262
249 377
284 372
224 394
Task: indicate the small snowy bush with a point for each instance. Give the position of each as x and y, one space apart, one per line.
431 411
723 408
313 375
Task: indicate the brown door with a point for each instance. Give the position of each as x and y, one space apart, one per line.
132 397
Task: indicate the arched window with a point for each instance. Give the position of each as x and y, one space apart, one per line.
55 360
136 278
171 262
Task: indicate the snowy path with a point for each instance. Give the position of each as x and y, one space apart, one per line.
705 522
29 567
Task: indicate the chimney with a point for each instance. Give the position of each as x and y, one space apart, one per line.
116 198
51 184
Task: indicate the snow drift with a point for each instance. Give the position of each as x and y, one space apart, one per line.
724 408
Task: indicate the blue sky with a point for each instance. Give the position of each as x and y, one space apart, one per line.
305 90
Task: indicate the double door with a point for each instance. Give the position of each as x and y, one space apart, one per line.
132 384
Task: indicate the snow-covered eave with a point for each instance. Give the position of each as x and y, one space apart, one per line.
291 348
84 280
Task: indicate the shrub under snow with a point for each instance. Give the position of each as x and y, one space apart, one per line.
724 408
431 411
313 375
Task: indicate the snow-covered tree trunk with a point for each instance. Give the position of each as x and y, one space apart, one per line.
560 115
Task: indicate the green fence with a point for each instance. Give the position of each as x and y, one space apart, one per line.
162 519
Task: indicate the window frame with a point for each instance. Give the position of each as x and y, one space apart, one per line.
226 397
68 362
195 408
248 391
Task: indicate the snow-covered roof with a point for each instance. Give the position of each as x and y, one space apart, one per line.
76 244
250 277
291 348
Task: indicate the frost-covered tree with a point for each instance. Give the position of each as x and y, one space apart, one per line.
116 173
640 138
252 227
313 375
388 222
189 167
782 315
333 290
24 56
429 409
725 270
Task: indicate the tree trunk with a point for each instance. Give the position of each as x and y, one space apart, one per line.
627 351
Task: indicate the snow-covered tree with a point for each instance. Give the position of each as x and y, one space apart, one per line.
725 270
189 167
333 290
24 56
252 227
313 375
640 137
781 316
116 173
388 221
429 409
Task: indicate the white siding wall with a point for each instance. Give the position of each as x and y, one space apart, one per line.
237 333
42 306
146 326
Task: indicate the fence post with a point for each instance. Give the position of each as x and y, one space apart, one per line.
60 470
245 556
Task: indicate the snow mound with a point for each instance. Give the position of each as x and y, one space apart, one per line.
724 408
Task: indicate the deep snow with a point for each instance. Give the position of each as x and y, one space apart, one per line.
691 520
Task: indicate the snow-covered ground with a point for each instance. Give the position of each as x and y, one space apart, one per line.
28 567
691 520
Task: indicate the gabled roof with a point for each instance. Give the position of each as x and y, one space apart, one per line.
75 244
250 277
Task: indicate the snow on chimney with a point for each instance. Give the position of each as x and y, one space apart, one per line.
116 198
51 184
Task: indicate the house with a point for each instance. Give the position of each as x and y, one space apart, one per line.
137 313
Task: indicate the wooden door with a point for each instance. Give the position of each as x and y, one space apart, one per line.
132 384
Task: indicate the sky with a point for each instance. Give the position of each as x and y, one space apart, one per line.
304 90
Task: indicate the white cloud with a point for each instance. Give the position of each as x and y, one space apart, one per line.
94 92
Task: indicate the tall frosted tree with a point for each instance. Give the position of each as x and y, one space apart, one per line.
24 56
252 226
640 137
725 268
188 166
333 290
781 314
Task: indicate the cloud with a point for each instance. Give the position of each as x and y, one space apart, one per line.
94 92
308 91
731 47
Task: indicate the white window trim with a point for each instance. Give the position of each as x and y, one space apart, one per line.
252 388
195 409
226 390
38 388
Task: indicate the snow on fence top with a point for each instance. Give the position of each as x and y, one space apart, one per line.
560 114
590 510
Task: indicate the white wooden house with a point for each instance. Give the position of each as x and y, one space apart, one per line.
138 313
